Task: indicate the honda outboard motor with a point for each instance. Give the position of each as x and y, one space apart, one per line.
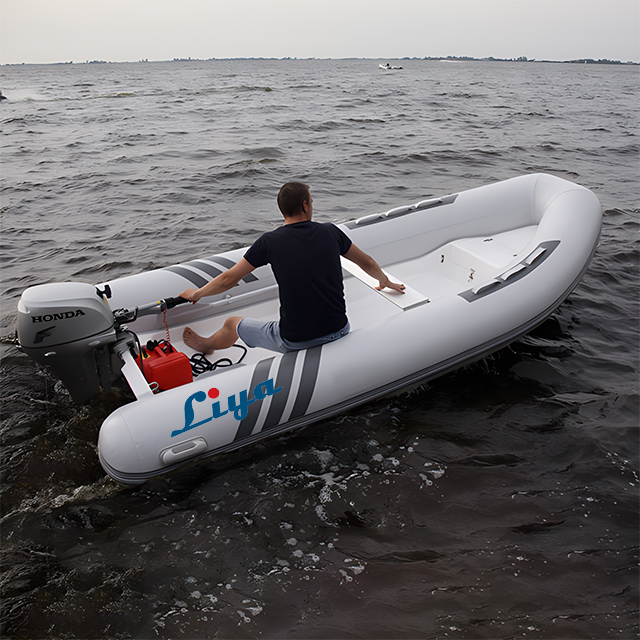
69 327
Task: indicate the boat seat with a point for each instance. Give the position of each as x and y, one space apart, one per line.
470 251
494 251
407 300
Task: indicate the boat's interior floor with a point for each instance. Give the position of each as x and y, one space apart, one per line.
449 270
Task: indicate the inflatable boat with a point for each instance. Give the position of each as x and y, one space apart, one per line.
481 267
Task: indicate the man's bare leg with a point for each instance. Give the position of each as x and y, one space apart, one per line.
221 339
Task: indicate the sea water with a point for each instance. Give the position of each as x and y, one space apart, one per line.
498 501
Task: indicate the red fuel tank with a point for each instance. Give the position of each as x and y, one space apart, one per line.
168 370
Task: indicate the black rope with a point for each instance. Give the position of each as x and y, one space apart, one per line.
200 364
139 356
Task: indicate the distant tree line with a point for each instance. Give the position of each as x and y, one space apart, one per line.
525 59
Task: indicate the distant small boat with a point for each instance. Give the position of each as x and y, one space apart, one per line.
388 67
2 97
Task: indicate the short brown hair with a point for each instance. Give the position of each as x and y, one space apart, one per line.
291 196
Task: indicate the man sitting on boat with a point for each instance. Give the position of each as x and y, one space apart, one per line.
305 259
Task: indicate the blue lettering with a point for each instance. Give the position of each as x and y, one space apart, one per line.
216 410
240 410
264 389
239 407
198 396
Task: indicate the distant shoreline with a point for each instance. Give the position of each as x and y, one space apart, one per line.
521 59
525 59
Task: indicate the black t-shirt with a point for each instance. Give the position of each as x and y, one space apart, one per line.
305 259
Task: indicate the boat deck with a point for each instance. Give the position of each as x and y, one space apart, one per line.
439 274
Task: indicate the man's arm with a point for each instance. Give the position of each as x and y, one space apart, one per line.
221 283
370 266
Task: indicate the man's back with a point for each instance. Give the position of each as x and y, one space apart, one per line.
305 258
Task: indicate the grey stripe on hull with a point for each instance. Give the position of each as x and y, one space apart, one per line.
195 279
284 379
225 262
308 381
204 266
260 374
279 400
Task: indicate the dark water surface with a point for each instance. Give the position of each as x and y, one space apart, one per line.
500 501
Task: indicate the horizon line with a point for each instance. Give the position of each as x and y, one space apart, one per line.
583 60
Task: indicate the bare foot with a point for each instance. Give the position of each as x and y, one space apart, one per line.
196 342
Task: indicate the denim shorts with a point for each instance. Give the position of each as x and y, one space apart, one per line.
256 333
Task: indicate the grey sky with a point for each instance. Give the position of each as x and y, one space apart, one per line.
43 31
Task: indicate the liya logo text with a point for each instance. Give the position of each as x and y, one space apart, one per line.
239 405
